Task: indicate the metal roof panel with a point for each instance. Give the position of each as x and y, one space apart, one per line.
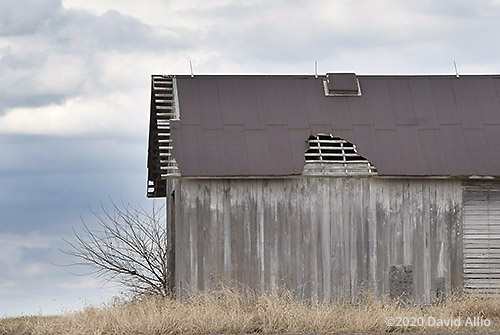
466 104
388 150
260 158
212 152
483 89
295 105
423 102
410 150
235 147
234 100
210 114
406 125
434 160
364 138
273 106
492 133
339 113
316 103
298 147
189 142
477 150
376 92
444 101
401 102
452 146
189 102
280 150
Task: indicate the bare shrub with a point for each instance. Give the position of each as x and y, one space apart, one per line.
129 246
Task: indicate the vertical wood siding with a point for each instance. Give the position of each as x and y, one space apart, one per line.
323 238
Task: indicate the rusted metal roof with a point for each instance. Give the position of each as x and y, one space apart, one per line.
404 125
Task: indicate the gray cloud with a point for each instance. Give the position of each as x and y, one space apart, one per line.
374 36
27 16
31 282
78 30
456 9
54 53
46 184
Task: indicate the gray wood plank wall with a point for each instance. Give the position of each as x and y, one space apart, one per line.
481 236
323 238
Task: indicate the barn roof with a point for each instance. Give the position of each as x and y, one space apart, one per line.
404 125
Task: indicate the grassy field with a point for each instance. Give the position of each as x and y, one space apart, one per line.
229 312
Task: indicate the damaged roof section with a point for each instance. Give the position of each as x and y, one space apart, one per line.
333 156
404 125
161 164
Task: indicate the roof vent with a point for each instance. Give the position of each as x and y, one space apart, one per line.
341 85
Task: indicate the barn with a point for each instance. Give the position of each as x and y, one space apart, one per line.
329 185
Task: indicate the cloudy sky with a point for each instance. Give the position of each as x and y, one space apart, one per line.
74 98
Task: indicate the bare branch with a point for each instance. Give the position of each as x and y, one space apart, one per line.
129 247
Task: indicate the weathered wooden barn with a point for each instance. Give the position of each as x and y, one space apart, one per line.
329 185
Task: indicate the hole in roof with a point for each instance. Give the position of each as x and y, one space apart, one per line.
332 155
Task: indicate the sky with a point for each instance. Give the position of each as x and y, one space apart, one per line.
74 99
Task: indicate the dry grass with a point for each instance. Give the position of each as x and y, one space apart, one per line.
229 312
